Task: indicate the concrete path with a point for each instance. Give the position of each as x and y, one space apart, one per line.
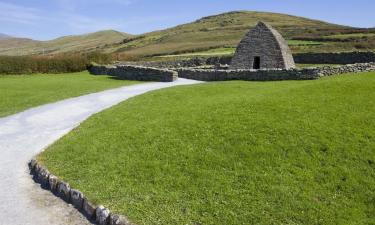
23 135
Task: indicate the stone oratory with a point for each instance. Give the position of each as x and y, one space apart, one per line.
263 48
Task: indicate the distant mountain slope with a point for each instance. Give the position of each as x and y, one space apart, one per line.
225 30
71 44
212 32
2 36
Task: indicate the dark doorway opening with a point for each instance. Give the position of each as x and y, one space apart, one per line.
256 64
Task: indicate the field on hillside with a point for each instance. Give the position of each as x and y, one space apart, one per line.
18 93
231 50
68 44
289 152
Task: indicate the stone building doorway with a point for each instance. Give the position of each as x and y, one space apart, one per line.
256 63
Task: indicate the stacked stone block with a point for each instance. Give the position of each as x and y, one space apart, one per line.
140 73
266 44
98 214
335 58
273 74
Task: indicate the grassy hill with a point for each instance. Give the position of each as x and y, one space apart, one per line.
226 30
217 34
3 36
68 44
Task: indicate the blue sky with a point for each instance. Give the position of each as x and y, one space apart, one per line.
48 19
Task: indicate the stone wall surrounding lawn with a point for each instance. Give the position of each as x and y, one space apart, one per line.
99 69
349 68
334 58
250 75
272 75
164 75
140 73
303 58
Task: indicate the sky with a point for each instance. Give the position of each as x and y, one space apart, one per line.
49 19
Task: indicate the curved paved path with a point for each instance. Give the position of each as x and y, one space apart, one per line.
23 135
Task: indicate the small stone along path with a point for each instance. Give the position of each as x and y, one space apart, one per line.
24 135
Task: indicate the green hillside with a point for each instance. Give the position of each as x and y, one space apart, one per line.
216 35
2 36
226 30
68 44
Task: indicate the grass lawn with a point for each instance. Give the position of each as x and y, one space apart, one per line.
303 43
289 152
212 52
355 35
20 92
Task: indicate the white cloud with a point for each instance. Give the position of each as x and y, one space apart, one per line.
18 14
72 5
65 17
123 2
68 18
83 24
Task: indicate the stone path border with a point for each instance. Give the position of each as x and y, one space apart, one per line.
100 214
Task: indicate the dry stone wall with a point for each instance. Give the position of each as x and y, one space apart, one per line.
100 70
248 75
163 75
140 73
335 58
273 75
303 58
350 68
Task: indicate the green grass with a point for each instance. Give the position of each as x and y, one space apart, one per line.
290 152
354 35
211 52
303 43
20 92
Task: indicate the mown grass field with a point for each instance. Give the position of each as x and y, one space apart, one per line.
290 152
20 92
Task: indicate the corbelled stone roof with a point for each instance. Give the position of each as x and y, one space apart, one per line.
267 45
